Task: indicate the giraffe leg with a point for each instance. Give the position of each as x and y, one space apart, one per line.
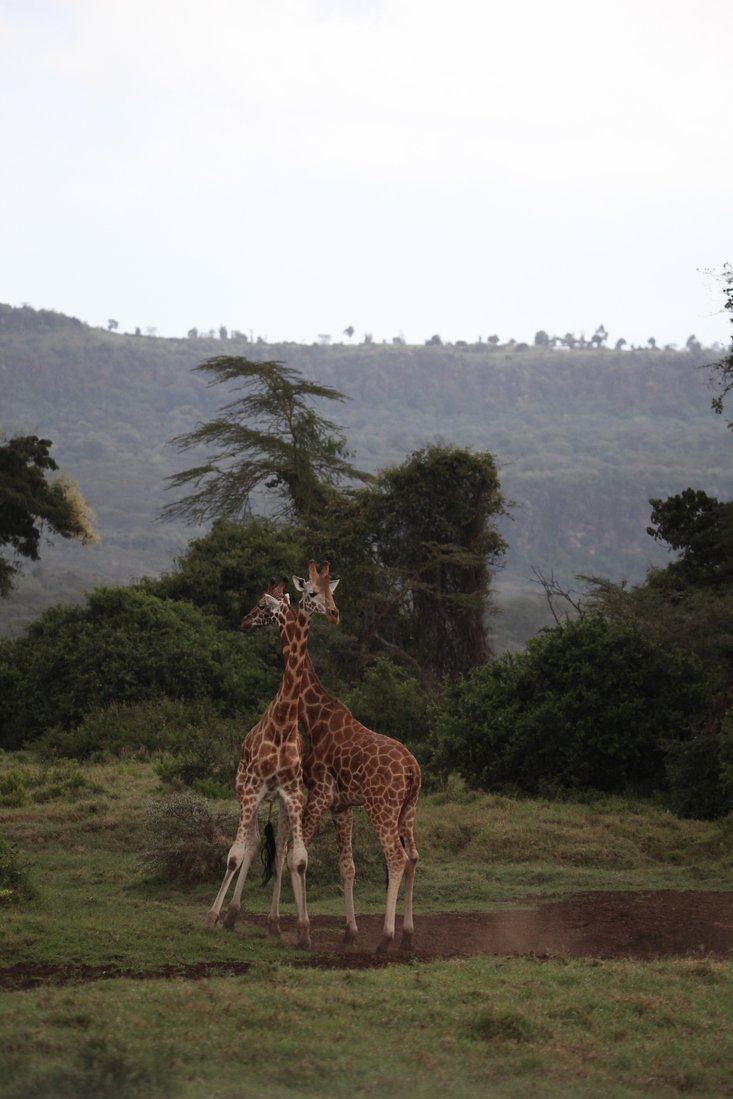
343 820
249 850
298 861
406 821
235 859
283 831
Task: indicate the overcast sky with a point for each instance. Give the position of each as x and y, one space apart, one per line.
292 167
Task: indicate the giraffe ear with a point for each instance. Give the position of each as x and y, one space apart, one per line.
271 601
333 585
299 583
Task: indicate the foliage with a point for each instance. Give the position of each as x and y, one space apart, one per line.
723 370
13 793
185 840
417 548
226 570
124 646
29 503
701 529
588 704
392 704
273 437
15 885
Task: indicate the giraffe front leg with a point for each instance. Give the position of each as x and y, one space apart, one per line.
343 820
281 843
298 862
250 847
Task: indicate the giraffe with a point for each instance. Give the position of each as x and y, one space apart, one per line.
272 754
349 765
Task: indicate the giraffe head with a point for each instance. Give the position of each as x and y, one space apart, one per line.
317 592
269 606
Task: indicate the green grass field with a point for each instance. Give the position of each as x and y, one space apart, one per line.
485 1026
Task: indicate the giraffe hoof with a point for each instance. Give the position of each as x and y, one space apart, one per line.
210 921
384 944
273 928
303 944
231 917
350 936
406 940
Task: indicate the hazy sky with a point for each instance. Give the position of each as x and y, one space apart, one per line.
292 167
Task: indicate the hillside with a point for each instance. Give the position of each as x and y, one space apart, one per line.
583 438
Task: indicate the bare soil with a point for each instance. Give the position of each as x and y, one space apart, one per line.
642 926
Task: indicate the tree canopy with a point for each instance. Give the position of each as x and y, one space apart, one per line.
29 503
272 437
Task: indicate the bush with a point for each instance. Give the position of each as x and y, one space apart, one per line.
389 703
587 704
15 884
125 646
13 793
185 840
700 774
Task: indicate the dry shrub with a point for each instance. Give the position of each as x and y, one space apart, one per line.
186 840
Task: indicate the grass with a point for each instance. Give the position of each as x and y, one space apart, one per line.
503 1027
474 1027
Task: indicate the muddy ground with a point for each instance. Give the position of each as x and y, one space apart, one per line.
644 926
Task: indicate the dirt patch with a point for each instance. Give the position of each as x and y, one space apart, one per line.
644 926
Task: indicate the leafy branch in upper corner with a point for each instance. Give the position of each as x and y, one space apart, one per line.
272 437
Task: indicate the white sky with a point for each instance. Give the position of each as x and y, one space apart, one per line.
292 167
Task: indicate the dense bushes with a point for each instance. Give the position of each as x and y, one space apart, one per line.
588 704
124 646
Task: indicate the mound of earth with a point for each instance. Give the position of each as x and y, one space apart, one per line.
643 926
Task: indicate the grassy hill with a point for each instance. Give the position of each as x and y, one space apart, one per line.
583 438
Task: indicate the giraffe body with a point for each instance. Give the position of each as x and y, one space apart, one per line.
271 762
350 765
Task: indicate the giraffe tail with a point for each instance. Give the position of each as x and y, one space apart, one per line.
268 851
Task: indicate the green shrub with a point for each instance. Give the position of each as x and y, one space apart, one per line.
587 704
13 793
15 885
123 647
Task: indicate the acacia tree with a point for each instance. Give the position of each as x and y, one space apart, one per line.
272 437
30 504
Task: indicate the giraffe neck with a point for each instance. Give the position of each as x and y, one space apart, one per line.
294 639
314 699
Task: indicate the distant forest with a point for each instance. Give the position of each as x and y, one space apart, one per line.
583 435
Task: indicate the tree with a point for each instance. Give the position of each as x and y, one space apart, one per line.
272 437
701 529
124 646
587 704
418 547
599 337
29 503
541 339
349 331
112 325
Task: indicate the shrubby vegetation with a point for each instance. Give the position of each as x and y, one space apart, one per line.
124 646
589 704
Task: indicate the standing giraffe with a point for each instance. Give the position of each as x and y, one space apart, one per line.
272 754
349 765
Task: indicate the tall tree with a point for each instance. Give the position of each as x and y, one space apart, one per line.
418 547
31 504
272 437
